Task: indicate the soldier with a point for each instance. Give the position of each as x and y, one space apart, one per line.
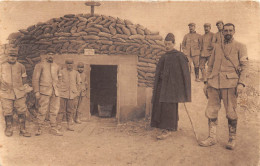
81 99
69 91
218 37
226 78
191 46
206 49
45 83
13 92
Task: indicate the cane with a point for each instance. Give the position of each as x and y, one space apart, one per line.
191 123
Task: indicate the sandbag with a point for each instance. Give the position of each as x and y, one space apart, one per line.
106 25
106 42
141 59
120 21
123 36
129 49
152 42
67 29
90 24
104 47
82 19
98 26
128 22
142 51
103 22
159 42
133 30
90 37
92 29
112 30
93 33
113 19
82 24
112 48
153 37
147 32
92 19
62 34
138 36
104 34
155 51
69 15
81 28
142 64
69 23
140 31
98 20
118 29
141 73
141 84
126 31
47 30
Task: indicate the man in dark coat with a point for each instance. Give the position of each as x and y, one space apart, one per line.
172 85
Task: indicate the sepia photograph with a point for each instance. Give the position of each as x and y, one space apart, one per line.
129 83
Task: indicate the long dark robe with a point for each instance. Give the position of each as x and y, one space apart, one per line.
172 85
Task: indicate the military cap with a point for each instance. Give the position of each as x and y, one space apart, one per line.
207 25
80 65
191 24
220 21
69 61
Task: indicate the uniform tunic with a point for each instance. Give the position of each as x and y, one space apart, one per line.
206 48
191 46
46 81
68 90
223 79
12 91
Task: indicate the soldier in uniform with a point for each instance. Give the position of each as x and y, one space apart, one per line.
69 90
226 78
13 92
81 99
191 46
206 49
218 37
45 83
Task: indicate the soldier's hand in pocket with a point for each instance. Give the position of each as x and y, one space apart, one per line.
205 89
37 95
240 89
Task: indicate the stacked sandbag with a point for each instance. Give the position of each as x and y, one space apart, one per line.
72 34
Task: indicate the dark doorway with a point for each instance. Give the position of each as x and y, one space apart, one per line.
103 90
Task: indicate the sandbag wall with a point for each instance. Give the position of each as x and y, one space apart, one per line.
72 34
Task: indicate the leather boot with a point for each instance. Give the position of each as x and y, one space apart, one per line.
70 122
22 120
212 138
38 130
8 127
232 126
197 74
203 73
77 118
55 131
70 126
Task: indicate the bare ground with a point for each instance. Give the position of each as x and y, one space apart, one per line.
102 142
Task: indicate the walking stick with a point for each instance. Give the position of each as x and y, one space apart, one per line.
191 123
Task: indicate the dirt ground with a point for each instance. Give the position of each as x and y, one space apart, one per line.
104 143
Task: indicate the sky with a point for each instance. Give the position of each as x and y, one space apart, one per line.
164 16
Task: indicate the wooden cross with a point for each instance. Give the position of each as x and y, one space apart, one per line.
92 4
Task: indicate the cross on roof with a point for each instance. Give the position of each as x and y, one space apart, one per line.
92 4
